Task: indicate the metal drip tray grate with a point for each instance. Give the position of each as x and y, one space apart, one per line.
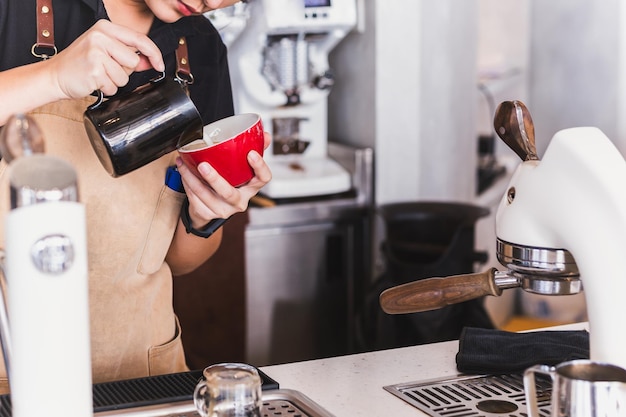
276 403
171 396
473 396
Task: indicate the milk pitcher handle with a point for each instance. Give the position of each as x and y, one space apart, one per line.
530 390
5 334
100 94
199 394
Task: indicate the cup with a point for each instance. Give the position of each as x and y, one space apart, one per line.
225 145
580 388
133 129
229 390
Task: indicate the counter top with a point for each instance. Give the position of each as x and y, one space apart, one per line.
352 385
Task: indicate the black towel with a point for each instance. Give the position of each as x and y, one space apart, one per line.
487 351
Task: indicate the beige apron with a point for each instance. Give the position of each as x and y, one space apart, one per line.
130 224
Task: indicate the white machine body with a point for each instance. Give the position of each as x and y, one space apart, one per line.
50 372
575 199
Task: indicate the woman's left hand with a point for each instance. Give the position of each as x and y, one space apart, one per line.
213 197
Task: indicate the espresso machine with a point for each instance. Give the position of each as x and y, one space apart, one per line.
561 225
279 69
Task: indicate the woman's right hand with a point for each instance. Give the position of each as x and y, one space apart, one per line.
102 59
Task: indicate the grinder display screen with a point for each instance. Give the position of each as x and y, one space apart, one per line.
316 3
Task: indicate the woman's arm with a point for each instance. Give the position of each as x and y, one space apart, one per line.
102 58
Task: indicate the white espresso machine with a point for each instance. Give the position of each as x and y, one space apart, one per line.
559 226
279 68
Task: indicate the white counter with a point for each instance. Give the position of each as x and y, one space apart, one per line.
352 385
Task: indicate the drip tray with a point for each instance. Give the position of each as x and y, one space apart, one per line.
482 395
279 402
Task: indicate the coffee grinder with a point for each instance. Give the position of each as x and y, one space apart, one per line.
279 70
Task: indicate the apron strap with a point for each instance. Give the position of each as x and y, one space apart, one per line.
44 48
183 70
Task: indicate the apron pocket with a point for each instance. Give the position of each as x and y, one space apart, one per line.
169 357
162 227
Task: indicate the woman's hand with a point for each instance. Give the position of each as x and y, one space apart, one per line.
102 59
213 197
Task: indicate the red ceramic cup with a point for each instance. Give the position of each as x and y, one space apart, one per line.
226 145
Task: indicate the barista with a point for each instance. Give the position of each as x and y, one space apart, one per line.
136 239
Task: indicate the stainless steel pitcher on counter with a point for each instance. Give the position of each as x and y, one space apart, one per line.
580 388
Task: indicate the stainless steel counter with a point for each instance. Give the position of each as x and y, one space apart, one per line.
307 261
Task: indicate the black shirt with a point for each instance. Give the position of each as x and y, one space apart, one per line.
211 90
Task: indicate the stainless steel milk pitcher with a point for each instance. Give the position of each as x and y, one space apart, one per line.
133 129
580 388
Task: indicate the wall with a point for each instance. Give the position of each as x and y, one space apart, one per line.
405 87
578 76
351 115
503 54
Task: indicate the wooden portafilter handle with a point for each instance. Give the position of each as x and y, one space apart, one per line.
434 293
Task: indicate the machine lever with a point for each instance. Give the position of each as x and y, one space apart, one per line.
515 127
